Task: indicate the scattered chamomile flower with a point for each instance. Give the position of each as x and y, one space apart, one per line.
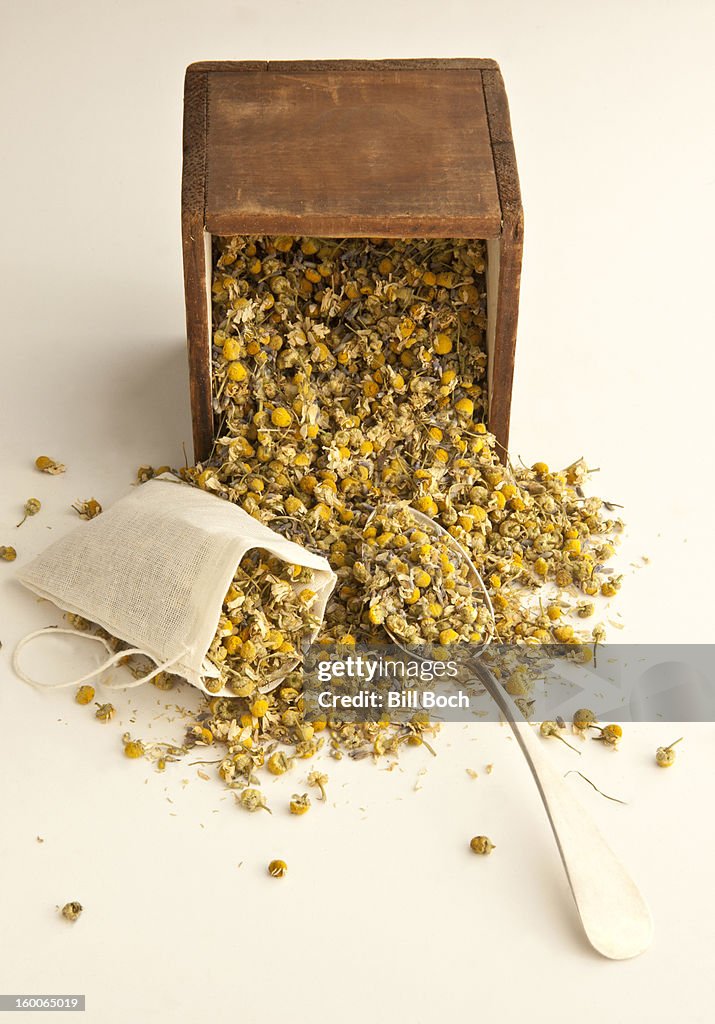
105 712
163 681
610 734
319 779
47 465
88 509
8 554
554 729
278 763
665 756
482 845
252 800
583 720
201 734
132 748
71 911
85 694
299 804
32 507
277 868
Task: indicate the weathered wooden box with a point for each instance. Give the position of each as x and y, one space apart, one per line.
345 148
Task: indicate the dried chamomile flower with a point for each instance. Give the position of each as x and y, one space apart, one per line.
163 681
132 748
482 845
47 465
71 911
299 804
610 734
277 868
105 712
598 634
85 694
8 554
32 507
583 720
201 734
281 418
665 756
88 509
252 800
554 729
320 780
78 622
278 763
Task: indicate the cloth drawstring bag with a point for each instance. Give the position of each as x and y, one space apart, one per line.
152 570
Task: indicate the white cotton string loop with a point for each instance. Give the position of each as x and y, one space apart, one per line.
111 660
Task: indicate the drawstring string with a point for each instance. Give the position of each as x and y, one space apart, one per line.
112 660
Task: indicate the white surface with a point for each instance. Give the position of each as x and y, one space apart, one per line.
385 914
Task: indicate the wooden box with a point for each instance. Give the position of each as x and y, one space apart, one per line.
345 148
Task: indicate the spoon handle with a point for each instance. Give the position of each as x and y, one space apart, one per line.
613 913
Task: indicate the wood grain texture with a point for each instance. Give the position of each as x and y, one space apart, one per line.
193 192
350 152
511 248
443 63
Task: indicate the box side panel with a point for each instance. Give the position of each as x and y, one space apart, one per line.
510 254
196 266
390 152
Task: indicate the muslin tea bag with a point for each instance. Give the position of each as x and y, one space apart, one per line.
153 571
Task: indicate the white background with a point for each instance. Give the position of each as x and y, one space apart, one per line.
385 915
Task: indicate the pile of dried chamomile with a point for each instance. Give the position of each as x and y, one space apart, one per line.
265 618
349 376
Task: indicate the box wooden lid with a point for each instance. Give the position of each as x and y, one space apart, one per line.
379 148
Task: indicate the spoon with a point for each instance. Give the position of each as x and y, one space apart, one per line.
614 915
